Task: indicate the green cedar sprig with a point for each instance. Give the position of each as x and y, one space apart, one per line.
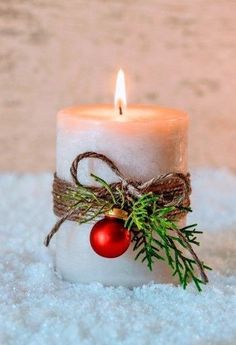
156 235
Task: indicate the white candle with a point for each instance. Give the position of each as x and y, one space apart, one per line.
144 142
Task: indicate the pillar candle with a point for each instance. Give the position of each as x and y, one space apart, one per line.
144 142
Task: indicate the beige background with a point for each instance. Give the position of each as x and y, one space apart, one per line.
177 53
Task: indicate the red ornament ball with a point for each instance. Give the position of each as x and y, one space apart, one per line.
109 238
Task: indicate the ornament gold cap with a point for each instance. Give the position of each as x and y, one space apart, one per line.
117 213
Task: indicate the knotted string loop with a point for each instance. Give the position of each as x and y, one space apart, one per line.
173 189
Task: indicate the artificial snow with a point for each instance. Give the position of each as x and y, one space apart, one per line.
38 308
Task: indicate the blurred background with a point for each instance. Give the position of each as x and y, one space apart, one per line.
57 53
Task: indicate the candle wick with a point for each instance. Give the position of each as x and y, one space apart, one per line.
120 110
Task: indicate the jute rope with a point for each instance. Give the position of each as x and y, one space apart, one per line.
173 189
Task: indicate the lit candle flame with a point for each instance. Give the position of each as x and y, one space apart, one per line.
120 94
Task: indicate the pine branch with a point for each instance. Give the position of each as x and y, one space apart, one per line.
158 237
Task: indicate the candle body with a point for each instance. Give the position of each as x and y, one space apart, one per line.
144 143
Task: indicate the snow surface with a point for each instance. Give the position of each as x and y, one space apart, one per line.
37 307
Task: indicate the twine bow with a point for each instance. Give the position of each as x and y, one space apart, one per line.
173 189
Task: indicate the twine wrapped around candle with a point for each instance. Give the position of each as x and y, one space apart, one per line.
173 189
